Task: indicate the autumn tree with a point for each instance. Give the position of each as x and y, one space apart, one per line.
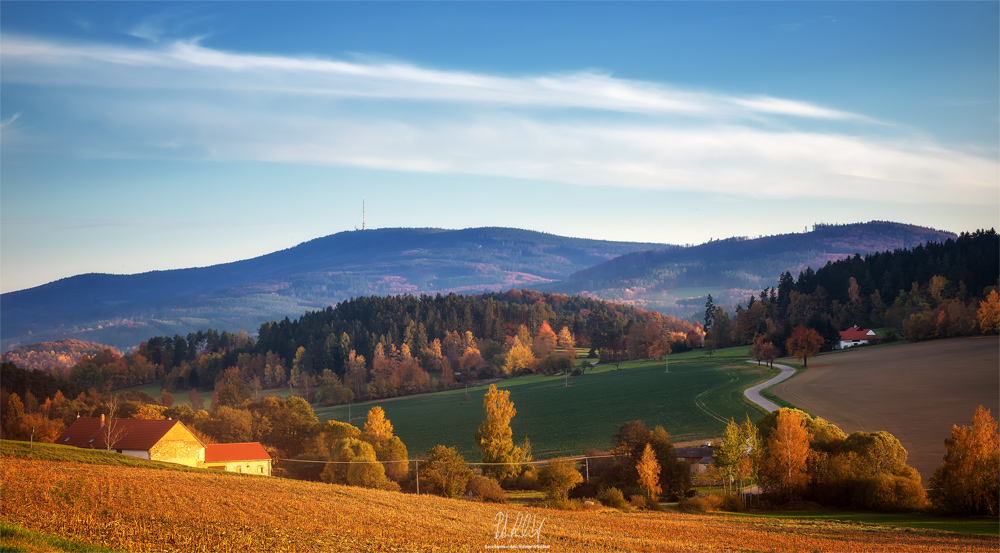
804 343
558 477
989 314
649 473
736 457
784 469
356 374
446 471
966 483
388 449
566 340
355 465
545 340
495 438
195 401
519 358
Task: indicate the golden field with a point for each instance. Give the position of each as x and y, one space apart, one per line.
141 509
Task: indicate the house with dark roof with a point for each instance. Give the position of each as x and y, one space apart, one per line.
855 336
156 440
699 457
245 457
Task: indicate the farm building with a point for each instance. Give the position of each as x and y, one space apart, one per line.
699 457
156 440
246 457
855 336
165 440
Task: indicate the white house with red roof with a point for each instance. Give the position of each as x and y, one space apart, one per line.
248 458
855 336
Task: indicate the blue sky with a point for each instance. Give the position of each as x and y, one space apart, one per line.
142 136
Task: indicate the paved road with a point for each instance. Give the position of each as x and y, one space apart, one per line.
753 394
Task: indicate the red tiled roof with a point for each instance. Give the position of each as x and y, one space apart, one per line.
137 434
220 453
855 333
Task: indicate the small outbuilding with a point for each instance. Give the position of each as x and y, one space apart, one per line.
250 458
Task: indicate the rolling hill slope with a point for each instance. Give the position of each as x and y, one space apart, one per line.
676 281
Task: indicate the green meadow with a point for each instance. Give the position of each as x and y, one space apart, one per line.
693 401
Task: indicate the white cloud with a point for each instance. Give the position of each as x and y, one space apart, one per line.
185 99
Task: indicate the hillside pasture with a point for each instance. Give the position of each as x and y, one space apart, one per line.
139 509
694 401
914 391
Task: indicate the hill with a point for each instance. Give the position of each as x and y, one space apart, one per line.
676 281
59 356
122 310
199 511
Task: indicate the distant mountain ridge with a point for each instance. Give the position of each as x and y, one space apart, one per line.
678 279
122 310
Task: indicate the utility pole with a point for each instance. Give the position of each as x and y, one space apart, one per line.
416 470
668 363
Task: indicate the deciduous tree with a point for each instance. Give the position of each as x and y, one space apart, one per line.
966 483
784 471
804 343
495 438
446 470
989 314
558 477
649 473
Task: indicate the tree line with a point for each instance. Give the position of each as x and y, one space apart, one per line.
937 290
378 347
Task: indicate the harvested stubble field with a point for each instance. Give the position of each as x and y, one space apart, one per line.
141 509
913 391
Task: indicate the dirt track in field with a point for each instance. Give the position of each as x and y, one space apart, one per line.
914 391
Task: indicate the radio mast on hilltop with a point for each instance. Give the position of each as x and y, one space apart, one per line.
362 212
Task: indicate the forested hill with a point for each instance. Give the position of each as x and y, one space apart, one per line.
677 280
123 310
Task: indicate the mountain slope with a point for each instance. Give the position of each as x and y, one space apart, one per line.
676 281
122 310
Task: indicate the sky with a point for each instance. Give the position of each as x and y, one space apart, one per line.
138 136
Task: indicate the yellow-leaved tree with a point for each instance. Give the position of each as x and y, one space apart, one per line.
388 449
966 483
784 469
495 439
989 314
649 473
519 358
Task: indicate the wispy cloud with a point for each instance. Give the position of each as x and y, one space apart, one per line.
588 128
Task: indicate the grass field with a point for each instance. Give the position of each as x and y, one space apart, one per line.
914 391
65 505
694 401
978 526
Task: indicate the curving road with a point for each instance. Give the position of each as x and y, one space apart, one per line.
753 393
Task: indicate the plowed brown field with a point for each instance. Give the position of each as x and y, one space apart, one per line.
137 509
914 391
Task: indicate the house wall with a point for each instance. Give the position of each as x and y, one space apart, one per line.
178 446
140 453
246 467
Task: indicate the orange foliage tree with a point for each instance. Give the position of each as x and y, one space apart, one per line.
804 343
649 473
966 483
784 470
989 314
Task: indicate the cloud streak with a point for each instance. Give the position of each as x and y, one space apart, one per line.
186 100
